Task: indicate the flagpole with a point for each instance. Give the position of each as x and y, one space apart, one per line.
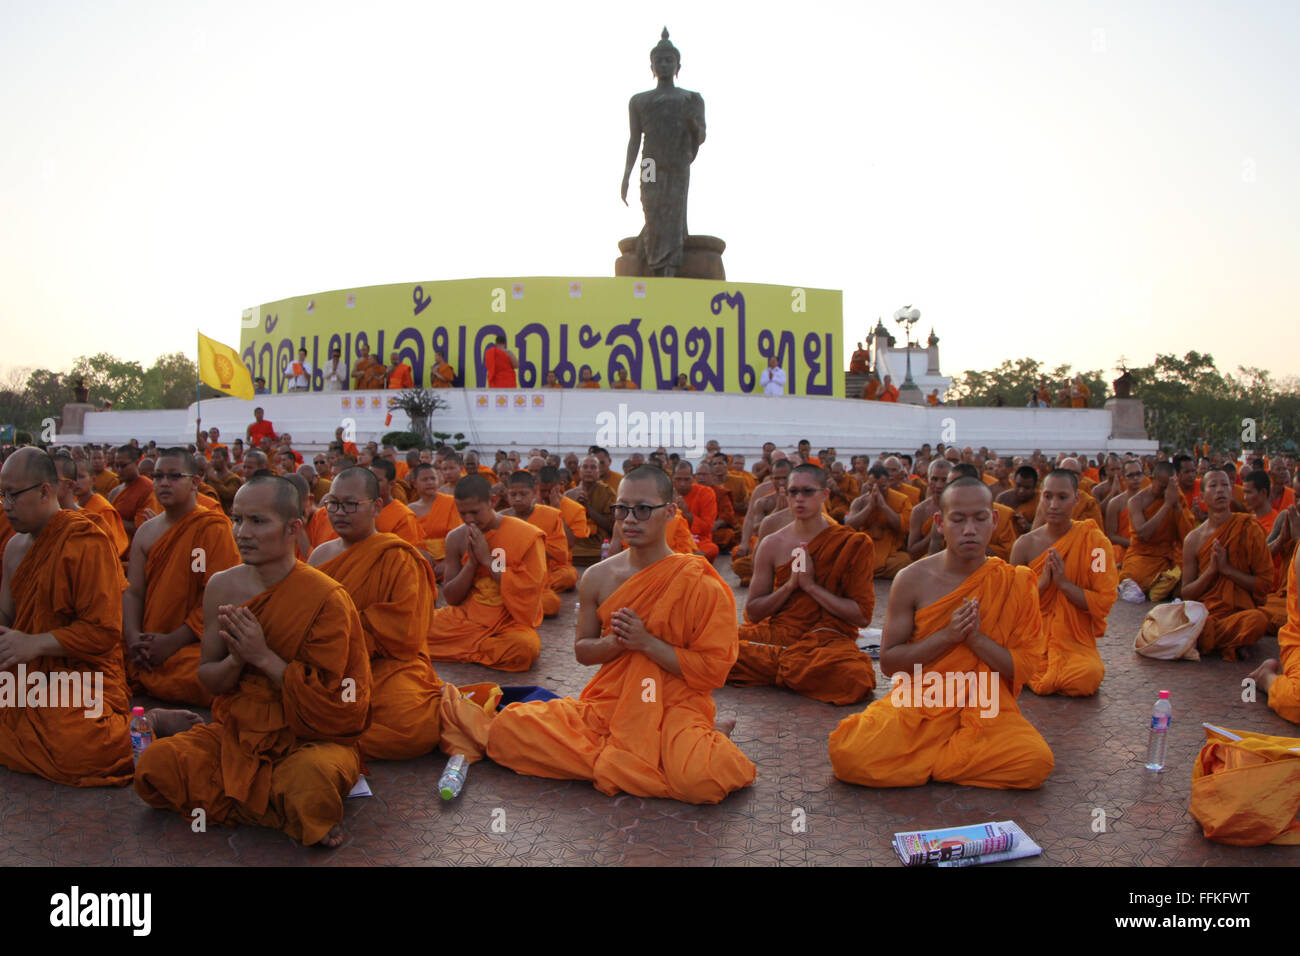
198 395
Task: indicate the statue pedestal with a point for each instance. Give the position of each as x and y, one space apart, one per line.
1127 418
701 259
910 395
74 417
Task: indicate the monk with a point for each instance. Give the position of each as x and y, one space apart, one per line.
284 656
596 498
105 479
871 388
890 392
521 492
132 497
973 622
1228 568
662 627
726 529
223 479
924 536
393 589
607 474
885 515
1280 681
844 489
494 577
1160 523
367 372
811 592
443 374
699 506
858 361
1022 498
1282 538
96 507
897 472
173 557
550 491
1002 469
1079 393
768 499
394 517
1077 586
1085 508
399 373
61 618
435 515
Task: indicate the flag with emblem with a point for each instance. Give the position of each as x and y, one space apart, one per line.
221 367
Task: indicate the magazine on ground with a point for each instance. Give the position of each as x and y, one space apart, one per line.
965 846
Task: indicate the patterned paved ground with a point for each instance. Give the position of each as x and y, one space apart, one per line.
1098 743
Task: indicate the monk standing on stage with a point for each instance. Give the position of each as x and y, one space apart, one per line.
974 622
172 559
811 592
662 627
493 579
61 617
1228 568
393 589
1077 585
284 655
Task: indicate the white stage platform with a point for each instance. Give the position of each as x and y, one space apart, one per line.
563 420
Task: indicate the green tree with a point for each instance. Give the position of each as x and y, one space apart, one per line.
108 377
1015 380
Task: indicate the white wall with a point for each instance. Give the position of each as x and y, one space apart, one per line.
570 419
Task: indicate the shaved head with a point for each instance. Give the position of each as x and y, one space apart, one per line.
286 502
663 485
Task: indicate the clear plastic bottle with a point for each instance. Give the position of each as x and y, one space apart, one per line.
604 549
141 732
1162 714
453 777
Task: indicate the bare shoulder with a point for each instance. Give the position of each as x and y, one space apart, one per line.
912 577
601 580
223 585
15 551
325 552
147 535
457 535
773 522
1028 546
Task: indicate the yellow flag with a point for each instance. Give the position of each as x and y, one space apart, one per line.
221 367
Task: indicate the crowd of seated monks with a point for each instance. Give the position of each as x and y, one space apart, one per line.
305 606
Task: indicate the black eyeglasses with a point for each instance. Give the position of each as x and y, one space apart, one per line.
172 475
347 507
801 491
9 497
642 512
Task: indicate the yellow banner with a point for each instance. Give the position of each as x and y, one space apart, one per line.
220 367
719 335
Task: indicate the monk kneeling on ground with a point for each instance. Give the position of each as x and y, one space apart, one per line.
1077 585
663 628
968 626
284 654
393 589
811 592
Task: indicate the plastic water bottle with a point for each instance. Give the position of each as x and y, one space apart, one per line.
1158 743
604 549
141 732
453 777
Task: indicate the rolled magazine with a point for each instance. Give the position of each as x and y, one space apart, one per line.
964 846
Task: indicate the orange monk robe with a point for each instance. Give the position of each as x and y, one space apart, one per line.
173 595
394 591
69 585
703 506
890 394
319 529
496 624
487 473
1235 618
206 502
932 400
575 516
105 481
612 479
678 535
561 575
805 647
398 519
435 524
373 375
617 736
319 489
891 543
858 362
400 377
1092 476
282 757
908 490
1086 483
1276 603
398 491
903 741
842 493
1284 695
988 479
443 375
1004 533
1070 663
871 390
401 468
743 566
226 489
101 511
1144 561
741 484
134 498
725 536
6 531
590 383
1028 509
1088 509
1285 501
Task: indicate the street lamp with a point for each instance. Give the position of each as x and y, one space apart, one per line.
908 317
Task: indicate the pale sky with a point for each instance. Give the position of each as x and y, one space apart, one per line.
1064 180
